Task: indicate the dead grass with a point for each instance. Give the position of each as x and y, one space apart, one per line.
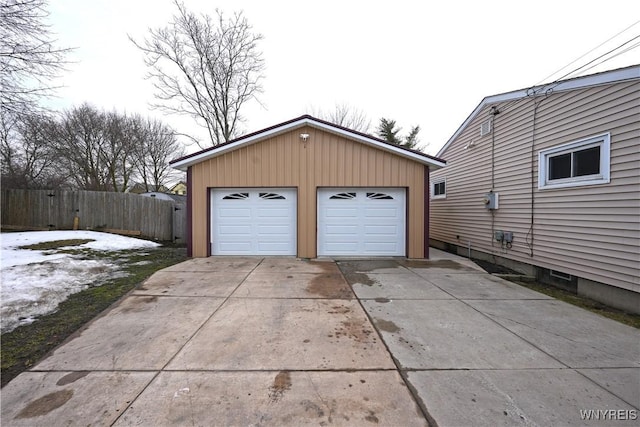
56 244
629 319
584 302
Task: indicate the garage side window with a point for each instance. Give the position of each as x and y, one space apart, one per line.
439 188
583 162
236 196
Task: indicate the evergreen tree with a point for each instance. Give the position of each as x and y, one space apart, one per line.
388 131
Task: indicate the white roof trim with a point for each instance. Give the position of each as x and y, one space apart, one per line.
304 121
622 74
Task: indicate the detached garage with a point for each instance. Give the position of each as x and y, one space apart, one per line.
308 188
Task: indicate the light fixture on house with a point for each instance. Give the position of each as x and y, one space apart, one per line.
304 136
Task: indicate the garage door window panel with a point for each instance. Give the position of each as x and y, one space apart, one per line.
272 196
343 196
236 196
379 196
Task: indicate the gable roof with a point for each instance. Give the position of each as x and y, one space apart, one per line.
606 77
184 184
184 162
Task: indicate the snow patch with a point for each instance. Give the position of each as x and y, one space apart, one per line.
10 242
35 282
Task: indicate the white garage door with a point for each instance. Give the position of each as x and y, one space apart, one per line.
253 221
361 221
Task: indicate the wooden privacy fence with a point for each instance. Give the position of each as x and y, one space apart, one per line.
95 210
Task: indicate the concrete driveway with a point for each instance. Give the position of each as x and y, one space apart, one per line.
280 341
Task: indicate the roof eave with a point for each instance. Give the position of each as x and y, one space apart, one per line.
606 77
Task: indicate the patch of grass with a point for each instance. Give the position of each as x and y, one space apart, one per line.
584 302
26 345
55 244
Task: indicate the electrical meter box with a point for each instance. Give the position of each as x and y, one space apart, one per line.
508 236
491 200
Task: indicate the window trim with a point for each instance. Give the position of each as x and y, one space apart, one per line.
436 181
604 177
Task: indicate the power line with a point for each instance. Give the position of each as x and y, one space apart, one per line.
614 56
597 47
550 86
599 57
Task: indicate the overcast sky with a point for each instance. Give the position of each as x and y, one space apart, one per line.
417 62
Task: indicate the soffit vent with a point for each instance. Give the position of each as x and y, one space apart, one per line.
485 127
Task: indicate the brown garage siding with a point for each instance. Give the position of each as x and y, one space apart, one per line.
325 160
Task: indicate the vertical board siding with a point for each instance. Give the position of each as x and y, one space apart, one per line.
591 232
324 160
96 210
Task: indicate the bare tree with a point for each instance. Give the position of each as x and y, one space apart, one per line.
98 148
28 160
155 144
8 137
346 116
85 148
205 67
28 57
78 140
108 151
118 150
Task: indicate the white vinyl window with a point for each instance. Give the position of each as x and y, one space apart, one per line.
583 162
439 188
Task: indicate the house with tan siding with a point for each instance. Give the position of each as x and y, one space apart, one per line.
308 188
546 181
180 188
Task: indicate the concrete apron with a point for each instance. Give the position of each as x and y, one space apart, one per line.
279 341
478 350
222 341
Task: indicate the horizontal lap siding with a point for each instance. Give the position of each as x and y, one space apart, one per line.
591 232
325 160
